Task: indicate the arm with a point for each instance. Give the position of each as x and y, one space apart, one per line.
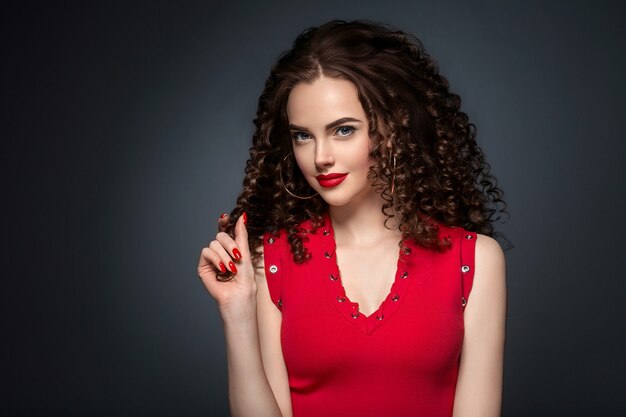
270 320
479 384
249 392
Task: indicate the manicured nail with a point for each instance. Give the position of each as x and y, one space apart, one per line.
222 267
245 218
232 267
236 253
223 215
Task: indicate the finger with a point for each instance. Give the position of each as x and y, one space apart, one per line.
230 246
209 259
226 262
222 221
241 235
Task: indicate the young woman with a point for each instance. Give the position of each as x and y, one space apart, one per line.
357 275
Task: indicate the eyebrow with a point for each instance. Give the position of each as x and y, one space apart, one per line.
330 125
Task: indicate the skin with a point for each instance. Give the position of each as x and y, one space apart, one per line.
257 374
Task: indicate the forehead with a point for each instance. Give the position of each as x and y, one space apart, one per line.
323 100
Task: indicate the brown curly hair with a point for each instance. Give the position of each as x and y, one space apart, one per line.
440 171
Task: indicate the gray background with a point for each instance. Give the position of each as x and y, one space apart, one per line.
126 130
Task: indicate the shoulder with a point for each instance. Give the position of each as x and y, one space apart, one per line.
490 272
489 253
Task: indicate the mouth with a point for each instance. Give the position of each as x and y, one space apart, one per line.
331 180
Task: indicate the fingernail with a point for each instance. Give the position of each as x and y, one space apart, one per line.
237 253
222 267
245 218
232 267
223 215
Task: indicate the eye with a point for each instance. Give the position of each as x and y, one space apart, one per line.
345 130
300 136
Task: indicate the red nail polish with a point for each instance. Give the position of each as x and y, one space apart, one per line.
237 253
245 218
223 215
222 267
232 267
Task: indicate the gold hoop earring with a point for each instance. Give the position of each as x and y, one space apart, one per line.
280 175
393 174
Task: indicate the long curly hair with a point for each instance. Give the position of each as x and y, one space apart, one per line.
440 172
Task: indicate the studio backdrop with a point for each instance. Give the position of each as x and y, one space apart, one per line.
126 131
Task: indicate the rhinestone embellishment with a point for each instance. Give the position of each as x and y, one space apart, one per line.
468 236
465 268
270 240
273 269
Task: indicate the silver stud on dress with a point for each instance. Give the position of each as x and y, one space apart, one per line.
355 315
270 240
465 268
326 232
468 236
404 275
273 269
341 299
395 297
280 302
327 254
334 277
380 317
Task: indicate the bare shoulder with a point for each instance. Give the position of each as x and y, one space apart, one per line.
488 245
489 256
489 274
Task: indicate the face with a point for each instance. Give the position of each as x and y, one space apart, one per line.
331 144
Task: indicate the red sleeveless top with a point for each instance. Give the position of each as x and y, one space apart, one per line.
402 360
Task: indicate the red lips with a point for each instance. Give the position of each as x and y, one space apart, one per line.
331 180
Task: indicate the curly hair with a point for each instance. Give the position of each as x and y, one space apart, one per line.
440 172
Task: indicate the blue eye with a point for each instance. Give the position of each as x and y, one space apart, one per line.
297 136
345 130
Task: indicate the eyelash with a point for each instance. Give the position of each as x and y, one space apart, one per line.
352 130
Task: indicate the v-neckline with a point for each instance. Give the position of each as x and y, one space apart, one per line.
350 309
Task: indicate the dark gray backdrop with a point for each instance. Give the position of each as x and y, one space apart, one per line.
127 128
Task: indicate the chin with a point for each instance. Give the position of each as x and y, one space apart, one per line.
337 200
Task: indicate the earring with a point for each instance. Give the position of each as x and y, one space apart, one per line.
393 174
280 175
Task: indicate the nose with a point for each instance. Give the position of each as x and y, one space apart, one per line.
323 155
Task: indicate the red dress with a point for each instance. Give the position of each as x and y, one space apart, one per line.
402 360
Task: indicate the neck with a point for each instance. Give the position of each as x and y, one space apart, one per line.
362 223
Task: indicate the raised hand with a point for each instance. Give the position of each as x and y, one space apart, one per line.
226 270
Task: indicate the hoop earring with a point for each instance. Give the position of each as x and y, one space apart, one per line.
393 174
280 175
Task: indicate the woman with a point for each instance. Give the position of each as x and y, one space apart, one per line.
343 276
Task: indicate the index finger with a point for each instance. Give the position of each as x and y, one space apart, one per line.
241 234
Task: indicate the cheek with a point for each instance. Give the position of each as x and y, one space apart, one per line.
361 158
301 161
